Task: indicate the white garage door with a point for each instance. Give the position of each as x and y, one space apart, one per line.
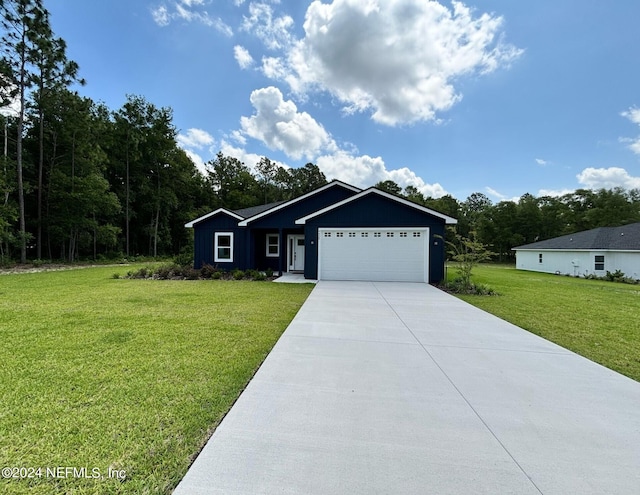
391 254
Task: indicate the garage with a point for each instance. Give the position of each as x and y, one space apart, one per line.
380 254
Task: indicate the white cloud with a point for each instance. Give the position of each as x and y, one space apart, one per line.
279 125
194 142
161 16
366 171
243 57
542 162
189 11
633 114
272 30
607 178
195 138
398 59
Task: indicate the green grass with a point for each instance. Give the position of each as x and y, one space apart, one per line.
132 375
599 320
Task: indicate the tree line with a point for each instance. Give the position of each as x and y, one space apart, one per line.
507 224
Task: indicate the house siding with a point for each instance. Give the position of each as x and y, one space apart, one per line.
286 217
373 211
203 242
579 263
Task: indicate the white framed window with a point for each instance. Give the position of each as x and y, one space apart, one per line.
390 234
327 234
339 234
376 234
403 234
223 247
352 234
364 234
539 257
417 234
599 262
273 245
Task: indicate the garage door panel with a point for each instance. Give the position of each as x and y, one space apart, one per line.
373 254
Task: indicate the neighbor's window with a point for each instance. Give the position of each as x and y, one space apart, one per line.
540 258
599 262
273 245
223 247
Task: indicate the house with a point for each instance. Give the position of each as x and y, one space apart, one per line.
335 232
592 252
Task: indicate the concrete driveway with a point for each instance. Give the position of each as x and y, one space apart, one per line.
380 387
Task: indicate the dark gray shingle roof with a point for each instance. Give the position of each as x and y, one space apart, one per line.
256 210
626 237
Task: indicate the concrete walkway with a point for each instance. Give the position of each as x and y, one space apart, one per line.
401 388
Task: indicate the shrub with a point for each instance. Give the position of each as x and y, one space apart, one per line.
268 272
237 274
208 271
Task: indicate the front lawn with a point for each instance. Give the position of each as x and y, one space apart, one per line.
113 385
599 320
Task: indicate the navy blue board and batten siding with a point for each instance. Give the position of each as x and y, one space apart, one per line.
204 244
375 211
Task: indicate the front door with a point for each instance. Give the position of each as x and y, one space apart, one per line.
295 260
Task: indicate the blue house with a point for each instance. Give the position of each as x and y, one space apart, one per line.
336 232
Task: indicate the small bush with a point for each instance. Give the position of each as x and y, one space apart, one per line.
461 286
208 271
268 272
237 274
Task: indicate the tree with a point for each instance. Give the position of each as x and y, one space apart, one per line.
234 185
389 186
468 253
25 23
52 71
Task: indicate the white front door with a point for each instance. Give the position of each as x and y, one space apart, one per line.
295 253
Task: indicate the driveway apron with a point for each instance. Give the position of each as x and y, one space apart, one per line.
383 387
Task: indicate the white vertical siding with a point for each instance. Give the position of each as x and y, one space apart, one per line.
579 263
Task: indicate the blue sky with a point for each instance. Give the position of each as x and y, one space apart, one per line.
501 97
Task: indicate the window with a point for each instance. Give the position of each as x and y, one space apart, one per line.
390 234
364 234
327 234
273 245
352 234
376 234
540 258
417 234
403 234
339 234
599 262
223 247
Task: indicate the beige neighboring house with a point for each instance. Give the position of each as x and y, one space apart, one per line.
591 252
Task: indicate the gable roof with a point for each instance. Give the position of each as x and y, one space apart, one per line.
219 211
624 238
286 204
372 190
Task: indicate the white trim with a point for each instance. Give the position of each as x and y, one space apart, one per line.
425 235
277 253
372 190
216 258
245 222
190 224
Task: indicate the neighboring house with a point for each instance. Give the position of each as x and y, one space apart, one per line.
336 232
592 252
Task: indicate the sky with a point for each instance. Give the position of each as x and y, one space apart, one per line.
500 97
